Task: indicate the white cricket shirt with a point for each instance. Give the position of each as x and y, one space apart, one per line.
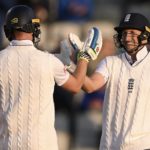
126 109
27 79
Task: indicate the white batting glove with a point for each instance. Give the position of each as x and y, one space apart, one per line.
93 43
76 43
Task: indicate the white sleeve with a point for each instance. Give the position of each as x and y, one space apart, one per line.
61 75
102 69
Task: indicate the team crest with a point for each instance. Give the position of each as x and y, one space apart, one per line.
127 18
14 20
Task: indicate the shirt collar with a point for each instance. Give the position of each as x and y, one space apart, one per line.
21 43
139 56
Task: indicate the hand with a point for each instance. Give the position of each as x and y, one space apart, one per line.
65 55
77 45
89 49
93 43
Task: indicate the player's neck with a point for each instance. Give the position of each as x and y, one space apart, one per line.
23 36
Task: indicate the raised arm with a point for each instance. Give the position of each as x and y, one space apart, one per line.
75 81
93 83
87 50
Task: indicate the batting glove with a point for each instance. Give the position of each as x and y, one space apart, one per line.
93 43
89 49
77 45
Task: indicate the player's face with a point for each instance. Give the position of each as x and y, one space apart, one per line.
130 39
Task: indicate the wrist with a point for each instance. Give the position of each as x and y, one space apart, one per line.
83 56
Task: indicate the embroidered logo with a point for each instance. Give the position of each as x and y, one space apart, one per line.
130 85
127 18
14 20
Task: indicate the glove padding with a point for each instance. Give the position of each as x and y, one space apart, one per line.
92 45
78 48
76 43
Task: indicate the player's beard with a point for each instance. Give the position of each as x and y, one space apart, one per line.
131 47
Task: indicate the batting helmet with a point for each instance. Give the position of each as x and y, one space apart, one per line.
133 21
22 18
